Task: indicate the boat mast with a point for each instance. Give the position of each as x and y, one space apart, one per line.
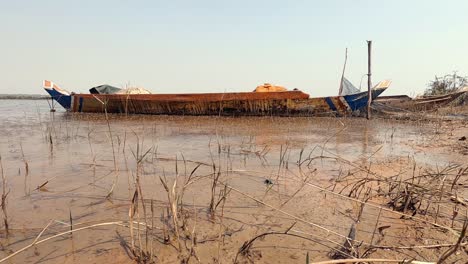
342 75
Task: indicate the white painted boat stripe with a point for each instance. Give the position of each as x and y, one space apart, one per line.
345 103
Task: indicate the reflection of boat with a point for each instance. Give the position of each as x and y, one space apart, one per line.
289 103
423 103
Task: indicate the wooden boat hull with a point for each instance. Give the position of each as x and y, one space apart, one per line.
291 103
425 103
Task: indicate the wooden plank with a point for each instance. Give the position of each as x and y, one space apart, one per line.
369 82
207 97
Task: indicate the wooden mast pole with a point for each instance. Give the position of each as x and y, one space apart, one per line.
342 75
369 82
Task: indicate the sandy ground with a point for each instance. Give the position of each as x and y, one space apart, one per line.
284 188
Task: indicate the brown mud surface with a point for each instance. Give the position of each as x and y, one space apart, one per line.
248 190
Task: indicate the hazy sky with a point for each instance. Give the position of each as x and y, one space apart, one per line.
215 46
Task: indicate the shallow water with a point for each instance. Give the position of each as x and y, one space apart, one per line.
80 156
26 122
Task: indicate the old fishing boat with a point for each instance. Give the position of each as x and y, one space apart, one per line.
260 102
422 103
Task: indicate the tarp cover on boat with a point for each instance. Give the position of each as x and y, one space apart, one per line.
134 90
104 89
348 88
266 87
107 89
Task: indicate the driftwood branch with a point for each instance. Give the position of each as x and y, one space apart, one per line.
372 260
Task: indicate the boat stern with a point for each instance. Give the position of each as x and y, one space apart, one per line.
359 100
380 88
62 97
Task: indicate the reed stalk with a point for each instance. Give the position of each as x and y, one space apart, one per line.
4 199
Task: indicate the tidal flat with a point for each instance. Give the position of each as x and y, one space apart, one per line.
96 188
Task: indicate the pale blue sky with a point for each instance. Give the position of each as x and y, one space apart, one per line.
216 46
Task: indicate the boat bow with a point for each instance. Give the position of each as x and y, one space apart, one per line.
63 97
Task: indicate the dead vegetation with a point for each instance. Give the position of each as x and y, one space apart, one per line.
4 198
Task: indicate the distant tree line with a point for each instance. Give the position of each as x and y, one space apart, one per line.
24 96
447 84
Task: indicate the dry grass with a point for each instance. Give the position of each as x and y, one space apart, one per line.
4 198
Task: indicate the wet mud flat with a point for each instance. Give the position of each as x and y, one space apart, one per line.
173 189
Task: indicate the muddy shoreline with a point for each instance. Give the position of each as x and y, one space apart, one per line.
253 189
